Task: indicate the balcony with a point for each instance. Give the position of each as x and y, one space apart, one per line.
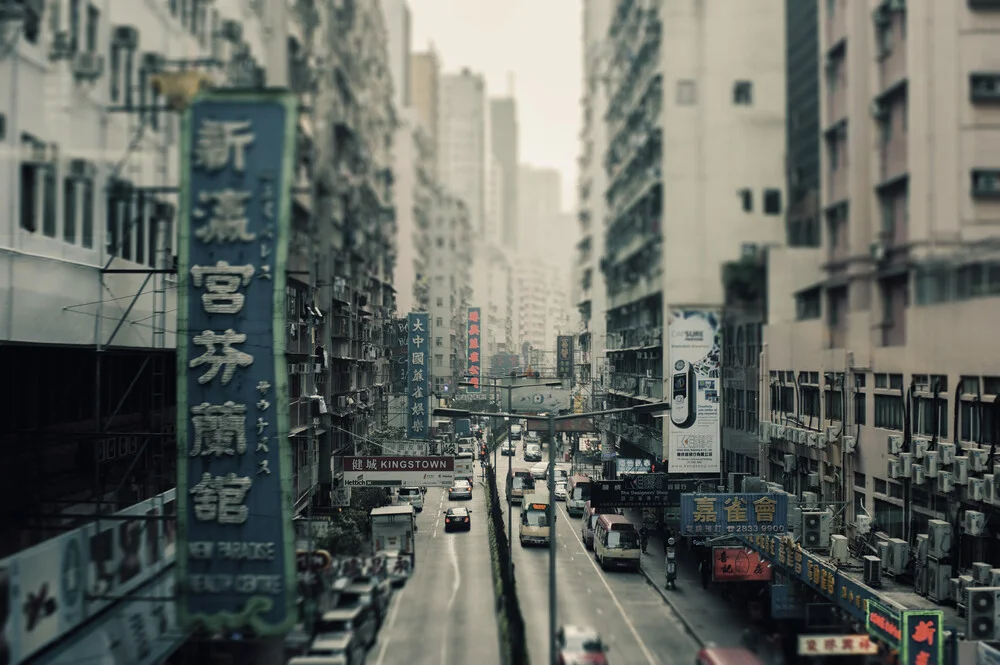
638 385
639 290
893 151
635 339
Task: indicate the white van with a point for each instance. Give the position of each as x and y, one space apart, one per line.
515 433
412 496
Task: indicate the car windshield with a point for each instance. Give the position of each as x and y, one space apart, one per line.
593 521
458 514
582 492
327 652
351 597
536 518
623 540
461 484
409 491
584 644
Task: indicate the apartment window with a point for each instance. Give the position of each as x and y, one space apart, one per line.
440 241
889 518
440 302
86 191
439 360
831 8
115 72
860 480
889 412
687 93
984 87
746 199
38 197
924 418
810 401
439 321
772 201
743 93
92 28
834 403
70 210
986 183
32 28
808 304
438 341
74 25
860 409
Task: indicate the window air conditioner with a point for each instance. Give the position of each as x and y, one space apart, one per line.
905 464
977 459
931 463
946 482
975 521
917 473
977 489
920 447
947 451
873 571
895 444
850 444
961 470
938 539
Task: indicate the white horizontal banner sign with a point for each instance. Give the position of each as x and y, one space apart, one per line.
399 471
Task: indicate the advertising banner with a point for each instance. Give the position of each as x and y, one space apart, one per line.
733 513
580 425
693 375
540 399
417 374
637 491
399 471
474 331
234 462
396 336
836 645
737 564
884 624
564 357
633 465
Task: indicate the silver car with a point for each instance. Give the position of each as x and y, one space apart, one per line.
460 489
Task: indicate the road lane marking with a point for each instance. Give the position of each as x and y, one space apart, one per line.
454 594
437 521
389 626
621 610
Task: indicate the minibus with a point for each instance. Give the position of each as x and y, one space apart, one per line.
616 543
577 494
519 482
534 529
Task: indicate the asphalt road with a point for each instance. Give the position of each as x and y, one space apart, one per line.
630 615
444 615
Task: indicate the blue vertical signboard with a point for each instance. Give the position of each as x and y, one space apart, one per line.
473 328
235 552
416 375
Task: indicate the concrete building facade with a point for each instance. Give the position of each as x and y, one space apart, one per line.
541 307
504 137
462 141
425 94
414 191
539 201
399 26
449 290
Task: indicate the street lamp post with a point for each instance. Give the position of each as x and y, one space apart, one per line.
551 419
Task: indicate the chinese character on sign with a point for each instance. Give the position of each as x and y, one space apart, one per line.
474 316
474 343
222 281
924 632
418 393
473 330
704 509
357 464
219 429
474 357
417 410
417 359
228 220
418 375
227 361
418 326
764 509
418 340
220 499
736 509
220 142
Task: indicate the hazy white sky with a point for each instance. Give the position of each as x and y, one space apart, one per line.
539 41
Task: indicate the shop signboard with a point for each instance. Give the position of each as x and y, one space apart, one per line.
815 646
694 346
473 342
705 514
635 491
399 471
922 638
739 564
417 374
564 357
633 465
884 624
234 472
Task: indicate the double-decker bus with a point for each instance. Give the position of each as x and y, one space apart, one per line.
519 482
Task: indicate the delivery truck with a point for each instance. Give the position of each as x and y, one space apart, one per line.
394 528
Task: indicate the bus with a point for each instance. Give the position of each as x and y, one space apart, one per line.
577 494
534 529
616 542
519 482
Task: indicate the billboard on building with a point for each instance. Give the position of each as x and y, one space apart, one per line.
540 399
564 357
234 462
417 375
399 471
473 328
395 335
739 564
694 440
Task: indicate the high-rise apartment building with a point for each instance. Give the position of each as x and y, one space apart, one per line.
539 200
589 292
462 142
495 208
414 191
880 339
399 27
425 93
449 289
541 304
504 139
695 174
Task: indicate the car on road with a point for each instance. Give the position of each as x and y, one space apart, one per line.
357 621
580 644
365 594
457 519
398 566
507 449
540 470
532 451
460 489
560 491
413 496
333 648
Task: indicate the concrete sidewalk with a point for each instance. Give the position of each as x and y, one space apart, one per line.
708 617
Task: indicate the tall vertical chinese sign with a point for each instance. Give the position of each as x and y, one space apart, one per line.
564 357
473 328
417 375
235 561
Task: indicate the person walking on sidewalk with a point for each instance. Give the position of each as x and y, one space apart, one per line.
705 568
643 538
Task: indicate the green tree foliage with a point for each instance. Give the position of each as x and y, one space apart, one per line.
350 529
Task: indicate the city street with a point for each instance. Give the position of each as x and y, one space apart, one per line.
444 614
630 615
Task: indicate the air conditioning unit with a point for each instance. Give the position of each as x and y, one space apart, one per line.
833 431
293 368
839 550
946 482
977 489
899 556
965 582
812 439
931 463
863 524
982 620
981 573
961 470
780 432
873 571
849 443
974 522
921 547
342 401
895 442
938 580
753 485
821 440
994 577
989 488
938 539
88 65
813 479
947 451
810 500
996 484
816 530
920 447
977 459
789 463
894 471
918 474
905 464
920 579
